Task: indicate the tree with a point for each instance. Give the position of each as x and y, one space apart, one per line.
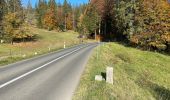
12 22
100 6
2 7
60 18
66 11
41 9
30 14
14 6
125 22
90 20
50 20
13 19
66 7
156 19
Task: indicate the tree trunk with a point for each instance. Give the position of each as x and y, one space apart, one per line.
95 35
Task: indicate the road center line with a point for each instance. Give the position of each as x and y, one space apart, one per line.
28 73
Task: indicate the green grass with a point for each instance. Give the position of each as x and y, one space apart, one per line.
46 39
138 75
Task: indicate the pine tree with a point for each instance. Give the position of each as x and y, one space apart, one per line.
90 20
60 17
30 14
2 8
66 7
66 11
40 12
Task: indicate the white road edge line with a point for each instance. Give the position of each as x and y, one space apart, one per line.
28 73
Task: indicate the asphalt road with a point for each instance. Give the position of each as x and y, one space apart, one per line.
53 76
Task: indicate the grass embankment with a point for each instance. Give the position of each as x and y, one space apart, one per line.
138 75
46 39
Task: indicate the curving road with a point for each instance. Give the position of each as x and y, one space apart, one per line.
53 76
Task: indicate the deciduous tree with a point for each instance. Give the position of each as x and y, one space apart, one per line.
50 20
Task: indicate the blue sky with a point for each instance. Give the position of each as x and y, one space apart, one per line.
73 2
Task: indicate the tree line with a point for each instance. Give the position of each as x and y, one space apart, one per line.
141 23
12 22
15 19
51 15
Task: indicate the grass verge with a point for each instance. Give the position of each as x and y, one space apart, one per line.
138 75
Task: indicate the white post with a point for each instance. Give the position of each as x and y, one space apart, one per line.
24 55
35 53
49 48
2 41
64 45
109 75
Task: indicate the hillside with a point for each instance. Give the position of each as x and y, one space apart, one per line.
138 75
47 41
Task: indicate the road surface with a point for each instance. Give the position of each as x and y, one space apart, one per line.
53 76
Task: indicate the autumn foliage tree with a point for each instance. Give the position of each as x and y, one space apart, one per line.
14 26
155 24
142 23
50 20
56 16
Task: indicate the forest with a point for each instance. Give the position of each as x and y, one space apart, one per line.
143 24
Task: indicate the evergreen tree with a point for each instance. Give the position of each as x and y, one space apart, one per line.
66 12
30 14
40 12
60 17
90 20
124 14
66 7
2 8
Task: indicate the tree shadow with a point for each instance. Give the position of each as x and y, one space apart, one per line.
158 92
161 93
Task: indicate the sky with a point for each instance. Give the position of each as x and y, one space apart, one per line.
73 2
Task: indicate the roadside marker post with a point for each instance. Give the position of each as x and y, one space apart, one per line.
24 55
49 49
35 53
109 75
64 45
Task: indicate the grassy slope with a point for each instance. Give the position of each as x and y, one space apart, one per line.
138 75
47 39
